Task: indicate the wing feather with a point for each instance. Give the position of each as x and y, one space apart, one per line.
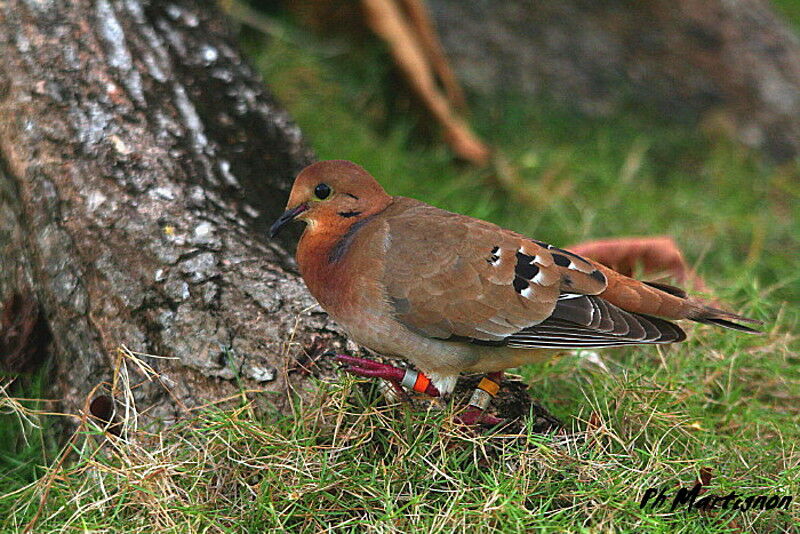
627 328
450 276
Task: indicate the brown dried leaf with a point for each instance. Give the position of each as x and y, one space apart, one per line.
655 255
429 42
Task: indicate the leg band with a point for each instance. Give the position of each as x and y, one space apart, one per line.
409 379
484 393
480 399
489 386
415 381
422 383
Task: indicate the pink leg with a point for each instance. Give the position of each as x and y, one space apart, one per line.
475 413
396 376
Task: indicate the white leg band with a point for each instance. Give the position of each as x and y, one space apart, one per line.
480 399
409 379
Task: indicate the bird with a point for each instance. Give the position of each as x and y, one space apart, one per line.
451 293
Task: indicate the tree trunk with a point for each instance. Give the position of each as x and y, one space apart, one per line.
730 60
141 158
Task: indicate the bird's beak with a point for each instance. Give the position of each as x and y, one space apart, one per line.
287 217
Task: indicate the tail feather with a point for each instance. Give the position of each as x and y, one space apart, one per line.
666 288
667 302
713 316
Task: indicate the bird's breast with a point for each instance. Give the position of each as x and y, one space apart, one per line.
343 272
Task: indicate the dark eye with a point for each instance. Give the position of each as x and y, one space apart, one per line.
322 191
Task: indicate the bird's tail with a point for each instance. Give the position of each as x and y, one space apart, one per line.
668 302
709 315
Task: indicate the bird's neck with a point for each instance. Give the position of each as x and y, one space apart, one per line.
321 256
317 243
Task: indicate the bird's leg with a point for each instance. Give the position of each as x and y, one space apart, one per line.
396 376
481 398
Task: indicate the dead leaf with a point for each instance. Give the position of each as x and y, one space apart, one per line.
654 255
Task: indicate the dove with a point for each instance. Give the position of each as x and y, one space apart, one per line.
451 293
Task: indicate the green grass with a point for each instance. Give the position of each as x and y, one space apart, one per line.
345 462
789 9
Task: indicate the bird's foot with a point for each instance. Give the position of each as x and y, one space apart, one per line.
473 416
396 376
400 378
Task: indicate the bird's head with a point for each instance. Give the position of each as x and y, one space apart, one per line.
332 194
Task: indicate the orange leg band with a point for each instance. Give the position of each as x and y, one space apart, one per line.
482 396
489 386
422 383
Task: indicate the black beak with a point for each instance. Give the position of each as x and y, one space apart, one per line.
287 217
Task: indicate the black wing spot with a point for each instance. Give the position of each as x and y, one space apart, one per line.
526 270
495 250
561 261
597 275
520 285
523 258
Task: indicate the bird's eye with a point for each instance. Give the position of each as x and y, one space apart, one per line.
322 191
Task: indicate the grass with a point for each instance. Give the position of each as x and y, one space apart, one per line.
346 462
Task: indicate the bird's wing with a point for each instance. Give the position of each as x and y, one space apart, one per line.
448 275
587 321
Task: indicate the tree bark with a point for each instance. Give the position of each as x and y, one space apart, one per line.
141 158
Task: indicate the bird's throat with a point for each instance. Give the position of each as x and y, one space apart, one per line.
321 255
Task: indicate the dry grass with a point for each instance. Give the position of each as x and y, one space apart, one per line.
347 462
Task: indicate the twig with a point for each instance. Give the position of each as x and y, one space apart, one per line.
385 18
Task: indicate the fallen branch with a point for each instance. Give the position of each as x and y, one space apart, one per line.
407 43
